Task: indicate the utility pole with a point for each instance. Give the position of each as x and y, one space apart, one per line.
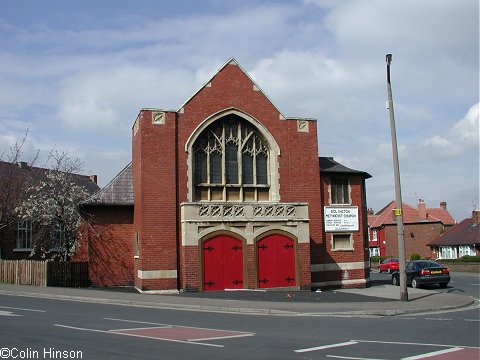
398 190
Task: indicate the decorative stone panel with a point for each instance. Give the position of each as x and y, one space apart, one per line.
302 126
248 220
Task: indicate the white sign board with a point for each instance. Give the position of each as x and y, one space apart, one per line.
341 218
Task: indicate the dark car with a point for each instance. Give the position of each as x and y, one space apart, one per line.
424 272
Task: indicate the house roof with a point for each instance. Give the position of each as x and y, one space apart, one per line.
31 175
328 165
119 191
466 232
410 215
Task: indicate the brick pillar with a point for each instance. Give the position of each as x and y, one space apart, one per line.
155 214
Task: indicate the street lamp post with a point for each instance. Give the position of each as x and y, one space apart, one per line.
398 191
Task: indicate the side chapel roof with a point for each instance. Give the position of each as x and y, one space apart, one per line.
119 191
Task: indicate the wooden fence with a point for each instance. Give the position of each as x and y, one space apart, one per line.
67 274
44 273
23 272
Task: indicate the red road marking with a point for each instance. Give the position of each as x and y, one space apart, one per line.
182 333
464 354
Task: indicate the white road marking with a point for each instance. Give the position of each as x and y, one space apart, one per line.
8 313
222 337
326 347
438 319
434 353
133 335
15 308
146 328
472 319
419 344
137 322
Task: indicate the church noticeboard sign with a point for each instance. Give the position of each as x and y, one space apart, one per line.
341 218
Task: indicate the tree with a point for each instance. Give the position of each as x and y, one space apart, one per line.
13 183
52 206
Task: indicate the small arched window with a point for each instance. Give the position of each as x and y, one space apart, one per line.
231 162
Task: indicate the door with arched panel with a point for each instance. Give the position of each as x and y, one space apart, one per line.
222 263
276 262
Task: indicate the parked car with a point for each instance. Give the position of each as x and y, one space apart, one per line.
389 265
424 272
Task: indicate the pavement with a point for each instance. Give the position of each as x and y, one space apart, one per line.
380 299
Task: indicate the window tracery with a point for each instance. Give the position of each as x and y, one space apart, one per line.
231 162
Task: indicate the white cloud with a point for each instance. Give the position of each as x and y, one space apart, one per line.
463 136
79 86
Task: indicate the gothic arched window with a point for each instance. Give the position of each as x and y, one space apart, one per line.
231 162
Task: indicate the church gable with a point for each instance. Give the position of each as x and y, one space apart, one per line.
230 87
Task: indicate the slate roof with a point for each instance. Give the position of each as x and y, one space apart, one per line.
466 232
118 192
410 216
31 175
328 165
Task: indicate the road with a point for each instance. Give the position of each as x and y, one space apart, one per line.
467 284
54 329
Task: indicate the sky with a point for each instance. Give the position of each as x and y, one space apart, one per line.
76 73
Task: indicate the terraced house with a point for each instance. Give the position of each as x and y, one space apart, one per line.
227 193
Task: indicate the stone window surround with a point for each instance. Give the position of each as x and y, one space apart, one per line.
274 150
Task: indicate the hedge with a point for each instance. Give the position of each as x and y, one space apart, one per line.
463 259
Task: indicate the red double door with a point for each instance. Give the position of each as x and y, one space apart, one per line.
222 263
276 262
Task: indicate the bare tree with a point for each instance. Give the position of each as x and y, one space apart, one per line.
13 183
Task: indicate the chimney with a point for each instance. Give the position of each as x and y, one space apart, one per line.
93 178
443 205
22 165
475 217
422 210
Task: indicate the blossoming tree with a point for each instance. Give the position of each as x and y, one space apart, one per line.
52 206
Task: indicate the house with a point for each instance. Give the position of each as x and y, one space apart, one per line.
460 240
421 225
17 238
227 193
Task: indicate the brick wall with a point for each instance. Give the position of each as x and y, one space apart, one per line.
107 244
422 233
154 176
298 163
359 253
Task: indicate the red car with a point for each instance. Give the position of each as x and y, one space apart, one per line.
389 265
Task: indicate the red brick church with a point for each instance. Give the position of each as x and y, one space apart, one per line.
227 193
